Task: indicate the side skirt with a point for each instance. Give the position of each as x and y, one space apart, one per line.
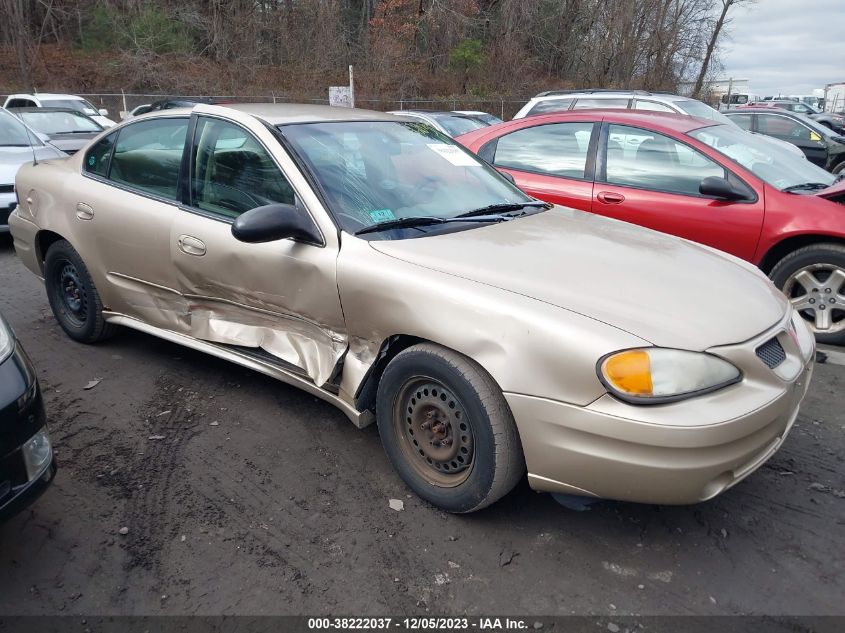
251 361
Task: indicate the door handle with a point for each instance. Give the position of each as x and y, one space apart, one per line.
83 211
608 197
191 245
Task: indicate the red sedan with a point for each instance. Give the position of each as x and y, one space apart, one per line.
710 183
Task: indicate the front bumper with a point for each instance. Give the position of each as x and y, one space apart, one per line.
678 453
22 416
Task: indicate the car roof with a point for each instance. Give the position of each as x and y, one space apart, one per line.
43 110
608 93
287 113
50 96
681 123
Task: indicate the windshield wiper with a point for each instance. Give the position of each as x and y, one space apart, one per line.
405 223
503 207
804 186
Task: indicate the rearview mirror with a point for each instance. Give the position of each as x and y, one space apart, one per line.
103 112
276 222
716 187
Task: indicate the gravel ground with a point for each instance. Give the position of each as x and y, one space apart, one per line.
242 495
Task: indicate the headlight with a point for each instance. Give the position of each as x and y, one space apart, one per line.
7 340
652 375
37 453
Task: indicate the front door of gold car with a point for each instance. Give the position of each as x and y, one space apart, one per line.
277 300
123 208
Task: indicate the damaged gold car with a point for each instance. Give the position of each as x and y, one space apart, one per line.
372 262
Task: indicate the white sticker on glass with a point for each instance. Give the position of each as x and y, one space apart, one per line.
454 155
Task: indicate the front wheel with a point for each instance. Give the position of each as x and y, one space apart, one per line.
73 296
813 278
447 429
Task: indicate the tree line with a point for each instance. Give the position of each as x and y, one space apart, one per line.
404 48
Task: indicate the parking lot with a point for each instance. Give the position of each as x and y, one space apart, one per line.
242 495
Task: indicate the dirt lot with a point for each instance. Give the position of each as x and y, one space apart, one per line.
256 498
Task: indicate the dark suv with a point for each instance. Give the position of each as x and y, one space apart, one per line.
820 144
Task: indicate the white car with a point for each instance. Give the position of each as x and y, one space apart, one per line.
558 100
46 100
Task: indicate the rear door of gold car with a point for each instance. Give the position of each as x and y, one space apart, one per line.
123 207
278 300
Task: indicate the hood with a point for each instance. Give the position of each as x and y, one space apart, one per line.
666 290
13 157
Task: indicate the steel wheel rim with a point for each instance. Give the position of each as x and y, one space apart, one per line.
434 432
817 292
72 294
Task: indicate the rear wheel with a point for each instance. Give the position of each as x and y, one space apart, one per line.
813 278
447 429
73 296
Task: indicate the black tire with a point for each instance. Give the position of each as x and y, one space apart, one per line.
480 420
823 256
839 168
73 296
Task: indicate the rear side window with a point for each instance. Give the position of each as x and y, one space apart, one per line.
557 149
742 120
98 157
21 103
148 155
549 105
783 127
617 104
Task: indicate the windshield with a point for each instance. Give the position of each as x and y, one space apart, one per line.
59 122
80 105
379 171
456 125
702 111
777 166
13 133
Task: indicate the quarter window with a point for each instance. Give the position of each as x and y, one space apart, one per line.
98 157
231 172
652 106
557 149
645 159
148 155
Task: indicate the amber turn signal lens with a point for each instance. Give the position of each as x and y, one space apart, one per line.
630 372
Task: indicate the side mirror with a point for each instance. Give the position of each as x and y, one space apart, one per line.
508 177
275 222
103 112
43 137
720 188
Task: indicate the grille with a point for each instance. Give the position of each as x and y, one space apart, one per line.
7 188
771 352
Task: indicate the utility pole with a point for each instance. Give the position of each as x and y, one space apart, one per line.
351 87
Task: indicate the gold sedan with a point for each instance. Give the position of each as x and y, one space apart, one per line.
371 261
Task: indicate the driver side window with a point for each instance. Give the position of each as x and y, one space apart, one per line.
231 172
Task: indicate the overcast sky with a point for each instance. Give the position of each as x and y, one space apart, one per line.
786 46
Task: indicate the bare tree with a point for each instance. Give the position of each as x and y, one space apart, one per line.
721 21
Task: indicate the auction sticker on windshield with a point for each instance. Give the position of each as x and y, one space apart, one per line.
454 155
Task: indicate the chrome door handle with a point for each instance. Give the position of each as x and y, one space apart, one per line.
83 211
191 245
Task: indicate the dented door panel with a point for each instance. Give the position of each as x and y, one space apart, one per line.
280 297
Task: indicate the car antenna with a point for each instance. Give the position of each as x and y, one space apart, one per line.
31 144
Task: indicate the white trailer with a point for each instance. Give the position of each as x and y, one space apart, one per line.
834 97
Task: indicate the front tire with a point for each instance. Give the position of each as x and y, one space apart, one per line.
447 429
73 296
813 278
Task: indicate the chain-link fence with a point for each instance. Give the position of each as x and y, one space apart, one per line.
118 103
